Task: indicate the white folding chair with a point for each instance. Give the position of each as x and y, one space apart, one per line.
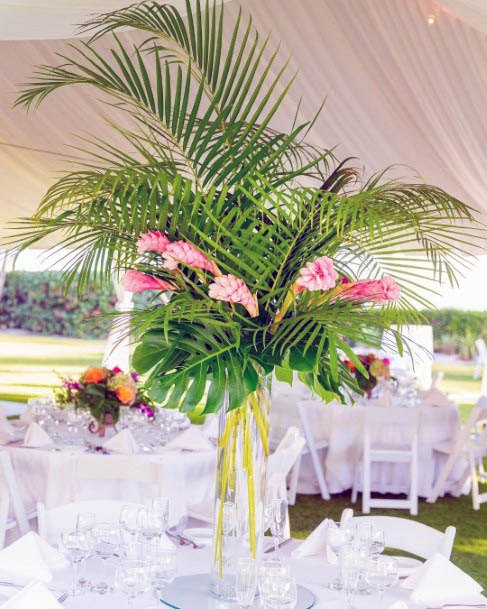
283 459
10 496
388 422
51 522
117 468
411 536
436 379
467 445
311 448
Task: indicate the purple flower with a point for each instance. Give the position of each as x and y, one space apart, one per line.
134 375
147 410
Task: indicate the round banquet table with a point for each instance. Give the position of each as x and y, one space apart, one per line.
342 427
45 474
312 572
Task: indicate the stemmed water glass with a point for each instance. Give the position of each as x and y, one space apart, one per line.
133 579
350 565
363 543
278 516
85 522
107 542
338 536
278 589
162 565
128 529
246 582
378 542
152 521
76 547
382 573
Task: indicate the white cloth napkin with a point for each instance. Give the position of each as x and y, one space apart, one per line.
316 543
434 397
123 443
36 436
28 415
439 582
30 558
399 605
7 432
34 595
211 426
191 439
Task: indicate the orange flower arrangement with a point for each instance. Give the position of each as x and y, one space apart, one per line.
94 375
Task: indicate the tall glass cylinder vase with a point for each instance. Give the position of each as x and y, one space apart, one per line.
240 487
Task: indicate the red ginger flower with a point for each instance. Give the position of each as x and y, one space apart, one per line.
183 252
317 275
135 281
232 289
371 290
153 241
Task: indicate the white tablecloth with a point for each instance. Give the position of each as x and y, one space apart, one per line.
313 573
44 474
342 427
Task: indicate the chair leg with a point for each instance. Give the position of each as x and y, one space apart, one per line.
366 484
293 483
474 482
319 475
356 482
413 497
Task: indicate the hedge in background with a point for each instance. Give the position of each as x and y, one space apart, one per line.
456 331
36 302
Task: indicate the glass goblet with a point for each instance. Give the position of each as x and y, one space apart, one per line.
128 529
336 537
382 573
246 582
85 522
279 591
107 543
76 547
162 566
350 565
150 523
278 518
378 543
132 578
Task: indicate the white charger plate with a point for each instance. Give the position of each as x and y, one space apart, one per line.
193 591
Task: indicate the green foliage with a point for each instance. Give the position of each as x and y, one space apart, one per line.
39 303
456 331
203 164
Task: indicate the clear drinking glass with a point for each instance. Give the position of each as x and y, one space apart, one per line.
85 521
76 546
337 537
278 516
150 523
246 582
162 566
350 564
107 543
133 579
378 542
363 543
128 529
278 590
382 573
160 505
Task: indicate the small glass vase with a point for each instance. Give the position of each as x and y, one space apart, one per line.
240 488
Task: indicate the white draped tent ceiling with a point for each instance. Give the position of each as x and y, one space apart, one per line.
399 90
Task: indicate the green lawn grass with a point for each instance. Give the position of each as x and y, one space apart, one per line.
28 367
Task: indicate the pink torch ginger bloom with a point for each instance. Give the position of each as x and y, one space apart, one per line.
153 241
372 290
135 281
182 252
317 275
232 289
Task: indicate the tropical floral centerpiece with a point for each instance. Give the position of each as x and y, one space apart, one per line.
104 392
266 254
376 369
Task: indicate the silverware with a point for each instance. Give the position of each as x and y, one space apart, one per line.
63 597
184 541
283 543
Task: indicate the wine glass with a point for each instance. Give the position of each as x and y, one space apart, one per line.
278 516
382 573
363 543
160 505
338 535
246 582
278 590
132 578
378 542
128 529
107 542
162 565
150 523
350 565
85 521
76 546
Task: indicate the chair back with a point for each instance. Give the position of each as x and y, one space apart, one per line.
12 488
120 468
400 426
286 454
52 521
411 536
436 379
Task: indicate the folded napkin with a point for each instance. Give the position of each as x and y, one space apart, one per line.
36 436
7 432
30 558
28 416
399 605
191 439
439 582
211 426
316 543
34 595
434 397
123 443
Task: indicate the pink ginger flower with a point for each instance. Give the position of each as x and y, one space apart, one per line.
135 281
153 241
232 289
183 252
317 275
371 290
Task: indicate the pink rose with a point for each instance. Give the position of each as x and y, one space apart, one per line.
317 275
135 281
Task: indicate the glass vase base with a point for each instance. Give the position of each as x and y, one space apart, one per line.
193 591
